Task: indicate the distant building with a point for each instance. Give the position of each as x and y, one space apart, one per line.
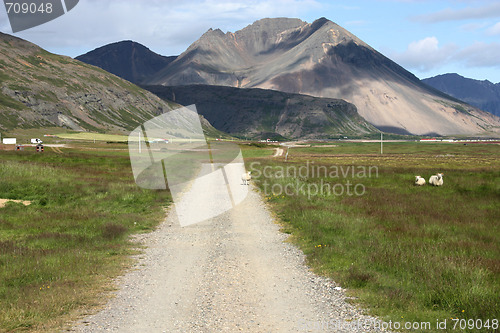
9 141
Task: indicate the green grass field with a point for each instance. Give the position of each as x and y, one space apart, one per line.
406 253
89 136
58 255
93 136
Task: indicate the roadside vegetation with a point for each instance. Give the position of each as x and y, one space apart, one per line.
58 255
406 253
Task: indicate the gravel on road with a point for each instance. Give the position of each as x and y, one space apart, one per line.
234 272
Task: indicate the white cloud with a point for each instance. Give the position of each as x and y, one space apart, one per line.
489 10
494 30
166 26
425 54
479 54
472 27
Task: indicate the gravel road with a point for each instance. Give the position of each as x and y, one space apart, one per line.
234 272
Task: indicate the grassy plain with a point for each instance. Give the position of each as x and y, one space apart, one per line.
58 255
407 253
93 136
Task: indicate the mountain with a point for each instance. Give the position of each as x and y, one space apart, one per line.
127 59
482 94
259 113
41 89
324 60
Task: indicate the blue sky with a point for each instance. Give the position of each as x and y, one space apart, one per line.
425 37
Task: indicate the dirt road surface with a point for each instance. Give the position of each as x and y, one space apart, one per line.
232 273
278 152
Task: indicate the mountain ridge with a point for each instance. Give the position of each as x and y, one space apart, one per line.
127 59
41 89
480 93
322 59
260 113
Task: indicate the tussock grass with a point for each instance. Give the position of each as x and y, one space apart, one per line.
406 253
58 255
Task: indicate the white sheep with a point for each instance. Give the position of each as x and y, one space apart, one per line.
436 180
420 181
245 177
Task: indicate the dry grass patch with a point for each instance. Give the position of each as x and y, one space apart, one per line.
4 202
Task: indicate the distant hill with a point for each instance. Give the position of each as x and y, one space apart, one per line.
259 113
323 59
127 59
482 94
41 89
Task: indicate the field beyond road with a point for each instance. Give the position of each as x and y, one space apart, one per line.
405 252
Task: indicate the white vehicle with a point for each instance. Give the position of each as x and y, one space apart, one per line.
36 141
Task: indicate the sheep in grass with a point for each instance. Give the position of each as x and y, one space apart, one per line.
246 178
420 181
436 180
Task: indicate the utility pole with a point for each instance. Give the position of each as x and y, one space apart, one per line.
381 143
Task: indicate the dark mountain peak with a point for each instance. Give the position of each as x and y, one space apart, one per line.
127 59
458 77
123 46
451 75
322 19
454 79
480 93
127 42
322 22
